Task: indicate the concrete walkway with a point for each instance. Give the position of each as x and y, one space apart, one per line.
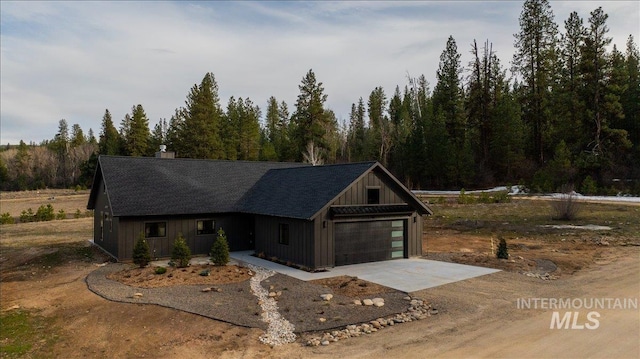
407 275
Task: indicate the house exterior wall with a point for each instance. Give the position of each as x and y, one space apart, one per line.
238 229
300 248
105 226
312 243
356 194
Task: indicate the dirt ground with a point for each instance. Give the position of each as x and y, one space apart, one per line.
43 267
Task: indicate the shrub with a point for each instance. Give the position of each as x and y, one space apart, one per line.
141 255
501 197
61 214
77 214
27 216
566 207
220 249
161 270
6 218
180 254
45 213
589 186
464 198
503 252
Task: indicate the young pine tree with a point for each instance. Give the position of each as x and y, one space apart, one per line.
141 253
220 249
502 253
180 254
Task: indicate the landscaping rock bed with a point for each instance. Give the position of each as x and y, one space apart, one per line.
299 302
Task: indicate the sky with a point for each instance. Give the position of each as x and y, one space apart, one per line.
72 60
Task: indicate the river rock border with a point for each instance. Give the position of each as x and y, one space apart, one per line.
418 310
280 330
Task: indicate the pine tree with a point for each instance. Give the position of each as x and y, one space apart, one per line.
135 132
569 105
61 147
310 121
141 252
248 129
220 249
357 132
109 143
180 253
399 116
197 127
158 136
77 136
534 61
379 128
448 105
631 96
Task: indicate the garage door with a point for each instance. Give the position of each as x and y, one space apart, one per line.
360 242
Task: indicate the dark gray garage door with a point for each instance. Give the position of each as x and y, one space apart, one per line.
360 242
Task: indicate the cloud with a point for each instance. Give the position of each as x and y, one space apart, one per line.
73 60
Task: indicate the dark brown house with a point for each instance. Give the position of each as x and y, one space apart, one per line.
314 216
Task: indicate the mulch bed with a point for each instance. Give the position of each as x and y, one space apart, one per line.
299 303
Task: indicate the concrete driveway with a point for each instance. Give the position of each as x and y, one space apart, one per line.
407 275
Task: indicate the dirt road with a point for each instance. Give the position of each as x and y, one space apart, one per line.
481 319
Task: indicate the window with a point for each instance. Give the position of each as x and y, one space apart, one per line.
155 229
205 226
284 234
373 195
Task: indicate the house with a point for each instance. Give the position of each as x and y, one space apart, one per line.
313 216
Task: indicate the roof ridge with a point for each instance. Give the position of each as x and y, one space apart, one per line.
294 164
368 163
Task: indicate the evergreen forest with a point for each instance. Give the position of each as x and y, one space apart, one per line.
564 112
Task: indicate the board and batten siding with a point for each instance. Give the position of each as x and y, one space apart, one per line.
324 225
238 229
105 232
300 248
356 194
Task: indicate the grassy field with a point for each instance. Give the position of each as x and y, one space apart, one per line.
524 217
70 201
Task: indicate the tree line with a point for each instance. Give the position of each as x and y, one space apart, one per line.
567 115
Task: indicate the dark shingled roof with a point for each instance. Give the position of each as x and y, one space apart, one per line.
301 192
140 186
148 186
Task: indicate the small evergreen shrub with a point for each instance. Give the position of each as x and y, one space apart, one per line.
78 214
180 254
465 198
485 197
501 197
61 214
161 270
503 252
220 249
27 216
6 218
141 254
45 213
589 186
